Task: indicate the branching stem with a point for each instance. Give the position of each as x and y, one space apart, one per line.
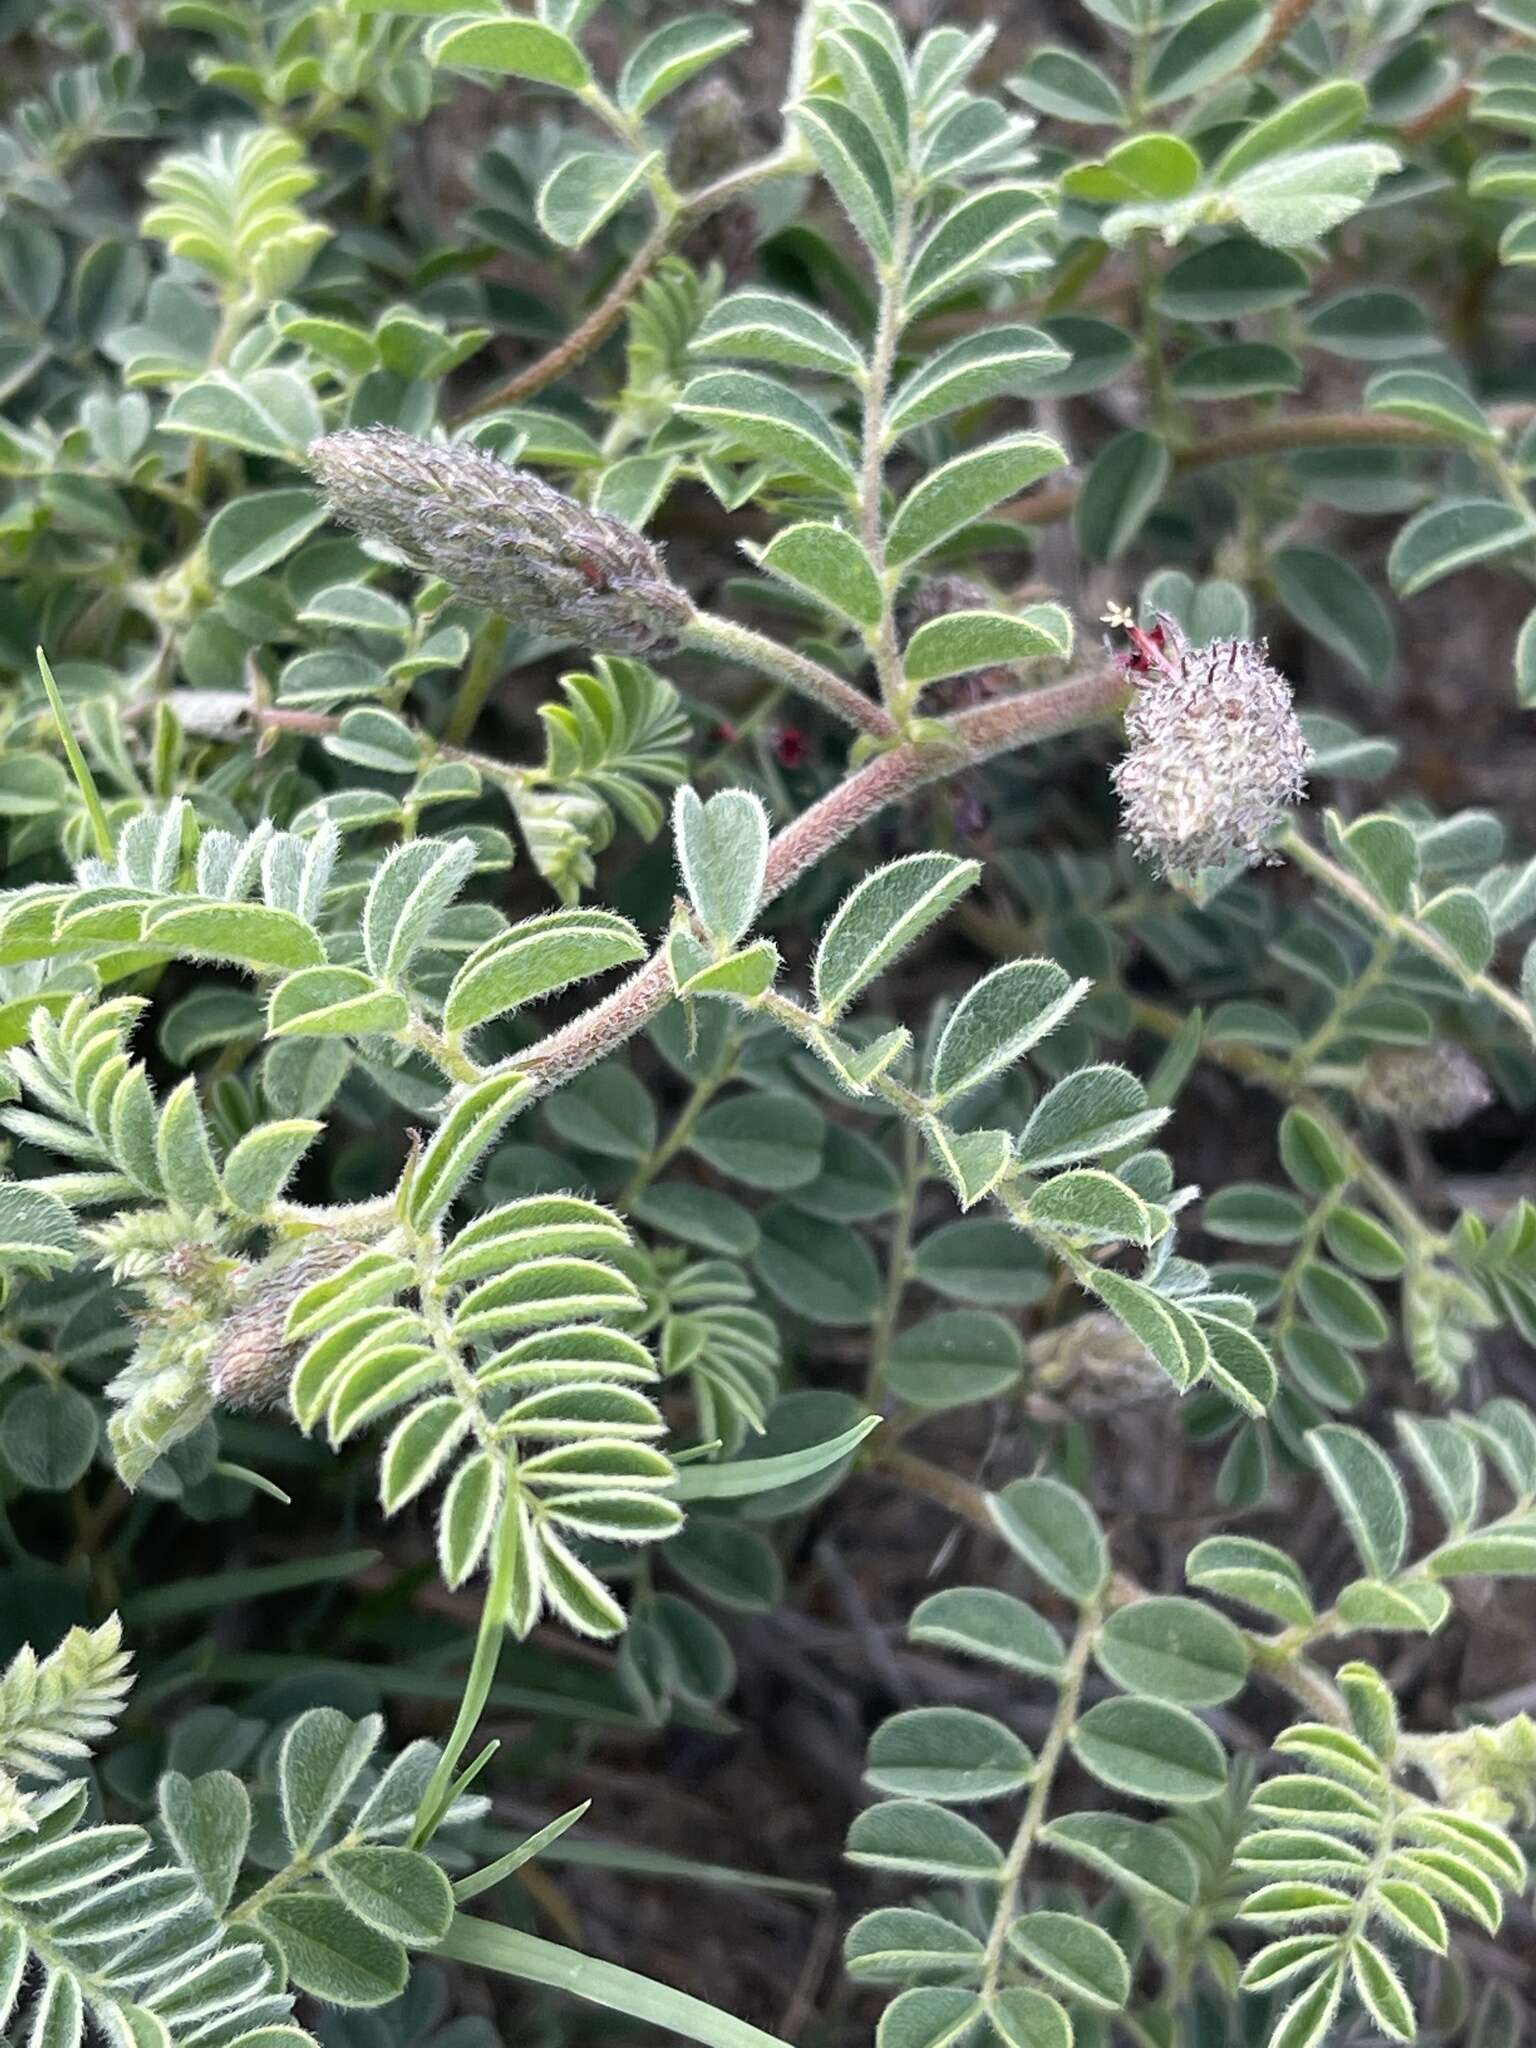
583 338
1274 437
974 735
1408 930
591 332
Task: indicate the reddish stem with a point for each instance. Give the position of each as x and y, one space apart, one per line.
977 735
1277 437
582 339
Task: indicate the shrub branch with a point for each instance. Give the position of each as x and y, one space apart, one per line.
974 736
1276 437
591 332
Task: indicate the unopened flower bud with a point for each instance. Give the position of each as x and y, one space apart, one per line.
1487 1773
1216 755
1092 1364
505 539
936 597
1425 1087
711 136
252 1360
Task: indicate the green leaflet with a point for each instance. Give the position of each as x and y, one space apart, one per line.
545 1962
770 420
886 913
722 848
759 1475
455 1150
526 49
964 489
536 958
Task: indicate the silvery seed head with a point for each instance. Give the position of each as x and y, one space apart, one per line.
505 539
1216 751
252 1358
1425 1087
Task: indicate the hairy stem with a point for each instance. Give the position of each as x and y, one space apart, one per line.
317 724
590 333
1286 19
1434 116
482 1674
709 635
583 338
1408 930
974 736
739 645
789 158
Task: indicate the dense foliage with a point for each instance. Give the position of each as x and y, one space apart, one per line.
774 404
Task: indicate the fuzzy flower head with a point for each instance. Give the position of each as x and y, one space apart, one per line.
1425 1087
253 1357
1216 750
505 539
